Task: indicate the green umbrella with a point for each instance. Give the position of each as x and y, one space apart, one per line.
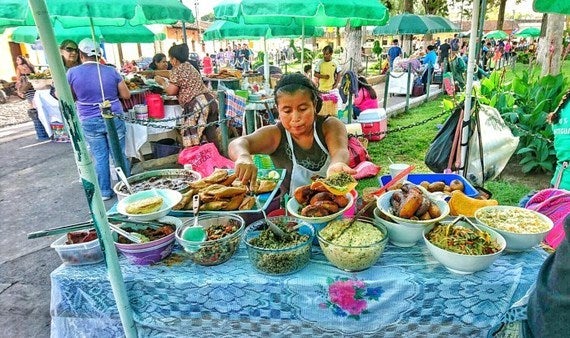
221 29
552 6
109 34
316 13
529 32
407 24
80 13
83 13
445 24
498 34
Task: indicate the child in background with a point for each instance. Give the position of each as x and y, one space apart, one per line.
366 98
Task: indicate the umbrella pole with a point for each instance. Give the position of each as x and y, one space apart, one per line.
266 72
85 165
302 44
469 86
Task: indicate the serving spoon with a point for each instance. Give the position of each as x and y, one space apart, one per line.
123 178
195 233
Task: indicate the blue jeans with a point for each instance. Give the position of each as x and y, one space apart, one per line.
97 137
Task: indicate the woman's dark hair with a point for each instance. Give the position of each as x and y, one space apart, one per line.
327 49
27 63
556 114
292 83
66 43
179 52
156 60
362 83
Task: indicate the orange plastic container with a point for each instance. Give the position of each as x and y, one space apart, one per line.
155 106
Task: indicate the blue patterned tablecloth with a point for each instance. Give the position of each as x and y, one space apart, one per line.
407 293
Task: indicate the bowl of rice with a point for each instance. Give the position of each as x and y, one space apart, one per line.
522 228
353 248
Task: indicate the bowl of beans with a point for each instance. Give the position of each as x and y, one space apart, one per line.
223 235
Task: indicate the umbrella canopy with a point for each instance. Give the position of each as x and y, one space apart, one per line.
445 24
78 13
120 34
316 13
221 29
552 6
407 24
498 34
529 32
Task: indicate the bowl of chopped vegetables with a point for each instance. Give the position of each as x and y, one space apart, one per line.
223 235
273 255
522 228
463 249
353 248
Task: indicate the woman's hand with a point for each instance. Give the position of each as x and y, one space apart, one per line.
246 170
338 167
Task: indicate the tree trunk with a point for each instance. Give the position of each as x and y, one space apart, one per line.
501 16
542 46
553 50
407 39
353 38
337 35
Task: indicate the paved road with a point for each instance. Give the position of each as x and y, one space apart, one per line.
40 189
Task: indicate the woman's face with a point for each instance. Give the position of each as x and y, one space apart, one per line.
162 64
19 60
296 112
69 52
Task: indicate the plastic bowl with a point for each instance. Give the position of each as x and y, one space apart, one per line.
170 197
78 254
465 264
212 251
383 204
293 207
149 252
515 241
401 234
180 177
354 258
279 261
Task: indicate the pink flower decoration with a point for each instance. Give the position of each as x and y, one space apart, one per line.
355 307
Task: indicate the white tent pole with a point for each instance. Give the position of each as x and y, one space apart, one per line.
302 44
265 64
469 85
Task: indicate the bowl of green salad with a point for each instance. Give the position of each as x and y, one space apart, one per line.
273 255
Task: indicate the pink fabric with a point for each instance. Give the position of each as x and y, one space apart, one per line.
204 159
363 100
555 204
366 169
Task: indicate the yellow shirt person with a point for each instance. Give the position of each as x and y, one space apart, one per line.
327 71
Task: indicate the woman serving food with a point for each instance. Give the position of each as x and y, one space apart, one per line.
301 142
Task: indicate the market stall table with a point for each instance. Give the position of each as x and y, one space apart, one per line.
48 109
398 82
406 293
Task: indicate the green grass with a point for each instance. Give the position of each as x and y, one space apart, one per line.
536 69
410 146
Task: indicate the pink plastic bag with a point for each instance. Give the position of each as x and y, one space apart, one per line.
555 204
366 169
204 159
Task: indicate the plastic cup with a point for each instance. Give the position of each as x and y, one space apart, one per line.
396 168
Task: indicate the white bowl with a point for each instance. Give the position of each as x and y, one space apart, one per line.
401 234
515 241
293 207
465 264
170 197
383 204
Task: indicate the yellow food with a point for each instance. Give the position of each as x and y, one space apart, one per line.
145 206
461 204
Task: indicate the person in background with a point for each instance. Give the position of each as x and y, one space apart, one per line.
327 71
207 62
454 43
69 54
428 61
366 98
159 62
394 52
302 142
457 67
85 81
444 49
23 69
560 120
246 54
200 106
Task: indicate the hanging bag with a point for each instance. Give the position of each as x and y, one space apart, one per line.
204 159
437 156
448 84
356 151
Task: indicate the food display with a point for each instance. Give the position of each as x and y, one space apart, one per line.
438 183
226 73
318 202
150 233
410 202
221 191
278 256
337 184
79 248
134 83
355 247
145 206
223 233
174 179
461 204
463 240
